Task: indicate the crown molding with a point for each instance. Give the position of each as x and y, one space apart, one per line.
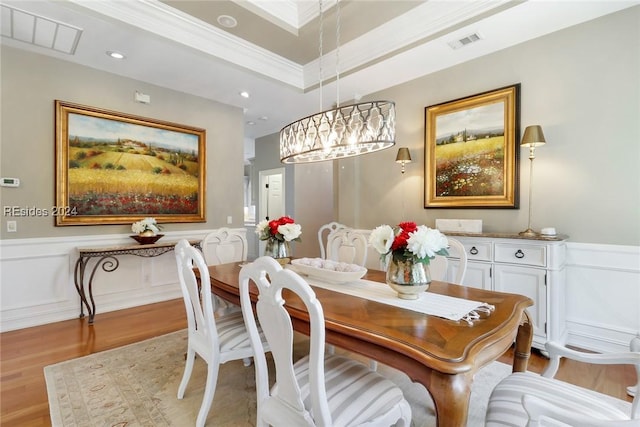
157 18
402 33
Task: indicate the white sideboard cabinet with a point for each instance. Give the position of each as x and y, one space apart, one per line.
534 267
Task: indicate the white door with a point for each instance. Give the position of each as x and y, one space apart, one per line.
272 197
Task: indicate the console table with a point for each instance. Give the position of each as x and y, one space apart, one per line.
106 257
530 266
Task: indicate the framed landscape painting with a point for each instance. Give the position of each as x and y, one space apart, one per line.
471 152
114 168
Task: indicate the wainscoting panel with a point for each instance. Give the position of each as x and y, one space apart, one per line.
38 284
602 296
46 284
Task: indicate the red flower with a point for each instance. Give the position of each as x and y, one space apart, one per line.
274 224
408 226
400 241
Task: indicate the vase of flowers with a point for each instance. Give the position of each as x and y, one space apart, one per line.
408 249
278 233
146 231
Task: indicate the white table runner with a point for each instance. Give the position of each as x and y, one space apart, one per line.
451 308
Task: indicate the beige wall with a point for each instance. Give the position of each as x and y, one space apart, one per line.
581 84
30 83
309 192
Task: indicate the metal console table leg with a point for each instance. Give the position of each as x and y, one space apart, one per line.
106 258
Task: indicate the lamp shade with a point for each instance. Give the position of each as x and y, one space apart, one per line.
533 137
403 155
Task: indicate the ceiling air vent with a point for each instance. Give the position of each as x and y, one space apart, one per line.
27 27
464 41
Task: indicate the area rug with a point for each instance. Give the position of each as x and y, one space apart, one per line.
136 386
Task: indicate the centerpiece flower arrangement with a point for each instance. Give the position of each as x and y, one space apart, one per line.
408 241
278 233
411 247
147 226
282 229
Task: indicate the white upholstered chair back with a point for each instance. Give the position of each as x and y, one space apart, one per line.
324 232
225 245
318 389
347 245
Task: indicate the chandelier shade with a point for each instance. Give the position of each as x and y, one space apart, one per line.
339 133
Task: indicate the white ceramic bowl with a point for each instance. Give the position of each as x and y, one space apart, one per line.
326 275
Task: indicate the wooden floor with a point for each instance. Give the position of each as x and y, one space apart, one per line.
24 353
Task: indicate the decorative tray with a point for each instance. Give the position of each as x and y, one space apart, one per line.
327 270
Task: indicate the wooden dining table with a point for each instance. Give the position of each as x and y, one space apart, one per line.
442 355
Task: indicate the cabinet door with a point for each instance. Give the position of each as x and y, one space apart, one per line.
531 283
478 274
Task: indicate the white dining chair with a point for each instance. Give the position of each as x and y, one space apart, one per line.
440 264
224 245
347 245
323 233
318 389
216 339
221 246
527 399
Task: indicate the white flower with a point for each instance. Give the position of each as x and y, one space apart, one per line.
426 242
144 225
262 226
290 231
381 238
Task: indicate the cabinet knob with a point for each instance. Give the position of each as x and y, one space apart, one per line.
473 250
519 254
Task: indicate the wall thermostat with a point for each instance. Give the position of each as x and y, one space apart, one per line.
10 182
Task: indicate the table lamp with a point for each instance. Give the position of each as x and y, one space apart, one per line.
532 138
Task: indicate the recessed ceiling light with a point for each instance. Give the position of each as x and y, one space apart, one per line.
251 123
227 21
115 55
264 118
244 94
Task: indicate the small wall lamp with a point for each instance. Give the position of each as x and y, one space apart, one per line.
403 157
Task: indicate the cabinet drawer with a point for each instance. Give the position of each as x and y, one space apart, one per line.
521 254
478 251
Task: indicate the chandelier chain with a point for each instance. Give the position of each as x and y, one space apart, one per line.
321 23
337 53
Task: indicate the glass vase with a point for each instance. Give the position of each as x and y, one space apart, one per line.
408 278
278 249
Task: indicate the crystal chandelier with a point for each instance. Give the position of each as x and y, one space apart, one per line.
341 132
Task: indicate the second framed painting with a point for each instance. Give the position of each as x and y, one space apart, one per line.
471 153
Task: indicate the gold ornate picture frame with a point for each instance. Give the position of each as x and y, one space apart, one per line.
115 168
471 153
